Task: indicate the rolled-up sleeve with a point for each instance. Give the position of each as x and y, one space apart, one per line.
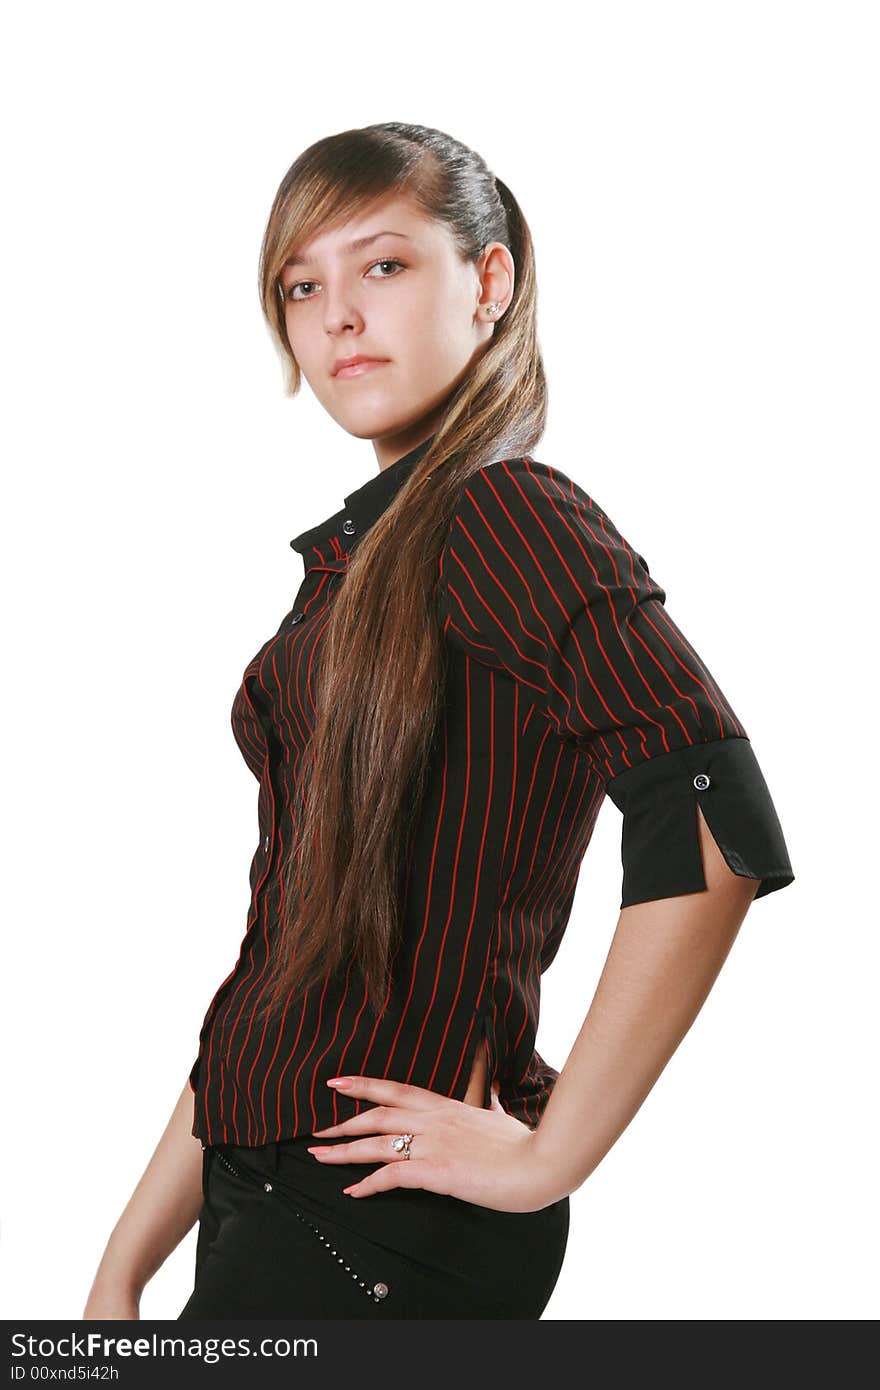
536 581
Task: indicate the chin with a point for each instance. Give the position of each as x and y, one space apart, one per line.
375 424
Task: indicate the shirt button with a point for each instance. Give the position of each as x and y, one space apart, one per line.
297 618
348 526
266 844
380 1290
701 781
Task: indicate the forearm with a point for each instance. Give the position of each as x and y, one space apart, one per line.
663 961
161 1210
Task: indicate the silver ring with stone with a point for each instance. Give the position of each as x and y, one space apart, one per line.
401 1144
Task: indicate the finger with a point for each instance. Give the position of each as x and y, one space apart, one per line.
385 1092
381 1119
384 1179
376 1149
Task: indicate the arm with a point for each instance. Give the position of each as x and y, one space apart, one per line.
663 961
537 582
163 1207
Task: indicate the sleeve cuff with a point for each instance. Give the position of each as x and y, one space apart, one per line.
194 1074
660 847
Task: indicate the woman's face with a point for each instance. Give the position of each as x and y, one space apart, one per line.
404 297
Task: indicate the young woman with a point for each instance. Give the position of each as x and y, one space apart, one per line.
475 656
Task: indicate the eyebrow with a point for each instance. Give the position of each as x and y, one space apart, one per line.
357 245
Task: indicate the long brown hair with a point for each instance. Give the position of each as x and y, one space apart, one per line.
380 683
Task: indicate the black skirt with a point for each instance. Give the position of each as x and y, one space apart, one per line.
278 1239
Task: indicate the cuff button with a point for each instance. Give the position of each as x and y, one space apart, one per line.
701 781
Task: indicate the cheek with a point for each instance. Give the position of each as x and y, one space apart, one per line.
451 338
424 373
305 346
315 360
443 356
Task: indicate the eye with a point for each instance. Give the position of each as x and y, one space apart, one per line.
386 260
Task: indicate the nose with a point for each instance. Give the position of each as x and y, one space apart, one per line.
340 314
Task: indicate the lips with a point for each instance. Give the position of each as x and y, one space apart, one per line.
360 368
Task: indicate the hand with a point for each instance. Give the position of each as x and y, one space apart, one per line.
481 1156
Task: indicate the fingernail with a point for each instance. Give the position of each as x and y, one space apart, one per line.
342 1082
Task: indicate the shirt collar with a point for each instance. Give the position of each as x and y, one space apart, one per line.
335 537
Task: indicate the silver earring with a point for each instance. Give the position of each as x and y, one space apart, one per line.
492 308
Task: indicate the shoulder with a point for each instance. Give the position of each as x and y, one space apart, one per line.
530 507
521 481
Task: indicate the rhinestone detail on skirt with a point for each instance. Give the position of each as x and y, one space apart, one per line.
376 1291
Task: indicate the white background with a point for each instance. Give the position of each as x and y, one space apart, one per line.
700 181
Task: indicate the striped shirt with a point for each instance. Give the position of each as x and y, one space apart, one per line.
566 679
